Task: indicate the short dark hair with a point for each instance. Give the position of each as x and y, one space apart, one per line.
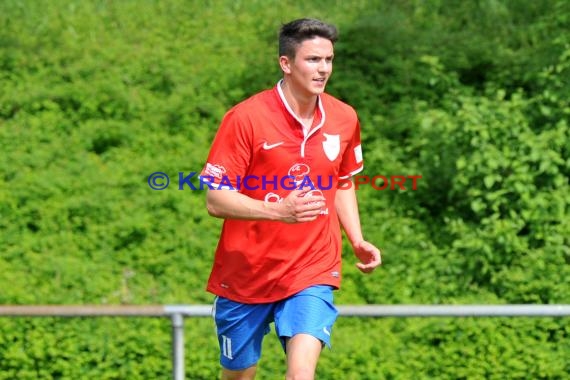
295 32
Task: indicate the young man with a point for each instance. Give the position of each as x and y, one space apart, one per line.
274 168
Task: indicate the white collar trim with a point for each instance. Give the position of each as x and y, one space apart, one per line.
290 110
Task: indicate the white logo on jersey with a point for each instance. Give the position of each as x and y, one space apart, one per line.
326 331
299 172
314 193
273 198
358 154
331 146
215 170
267 146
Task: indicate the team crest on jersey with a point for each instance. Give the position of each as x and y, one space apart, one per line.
331 146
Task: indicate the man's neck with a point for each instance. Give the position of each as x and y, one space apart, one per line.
303 106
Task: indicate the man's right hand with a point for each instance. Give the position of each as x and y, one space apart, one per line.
301 206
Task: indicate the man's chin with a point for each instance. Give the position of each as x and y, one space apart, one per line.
318 91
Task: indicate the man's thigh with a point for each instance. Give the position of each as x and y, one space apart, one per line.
240 329
310 311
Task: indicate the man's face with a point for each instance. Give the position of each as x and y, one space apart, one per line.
311 68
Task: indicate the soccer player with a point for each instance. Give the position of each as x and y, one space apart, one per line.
274 169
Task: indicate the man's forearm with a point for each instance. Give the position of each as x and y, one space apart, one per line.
346 206
230 204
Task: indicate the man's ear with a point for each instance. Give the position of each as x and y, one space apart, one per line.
284 62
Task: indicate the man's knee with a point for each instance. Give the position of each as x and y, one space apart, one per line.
246 374
300 374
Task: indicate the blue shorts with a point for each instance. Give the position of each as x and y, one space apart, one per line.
241 327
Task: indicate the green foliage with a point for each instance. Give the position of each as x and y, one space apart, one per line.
472 96
104 348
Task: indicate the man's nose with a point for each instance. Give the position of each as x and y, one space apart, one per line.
325 66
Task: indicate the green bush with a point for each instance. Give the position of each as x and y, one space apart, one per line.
97 95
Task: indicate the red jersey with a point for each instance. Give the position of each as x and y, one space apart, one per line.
261 151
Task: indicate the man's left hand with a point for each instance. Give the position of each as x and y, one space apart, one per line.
370 257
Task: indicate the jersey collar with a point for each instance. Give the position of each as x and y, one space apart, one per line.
290 110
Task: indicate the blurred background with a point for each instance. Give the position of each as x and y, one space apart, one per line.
471 95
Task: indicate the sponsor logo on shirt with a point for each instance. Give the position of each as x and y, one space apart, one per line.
267 146
299 172
216 171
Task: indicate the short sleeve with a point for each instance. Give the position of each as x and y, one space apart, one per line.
230 153
352 161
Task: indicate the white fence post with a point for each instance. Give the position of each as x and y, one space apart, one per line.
177 346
